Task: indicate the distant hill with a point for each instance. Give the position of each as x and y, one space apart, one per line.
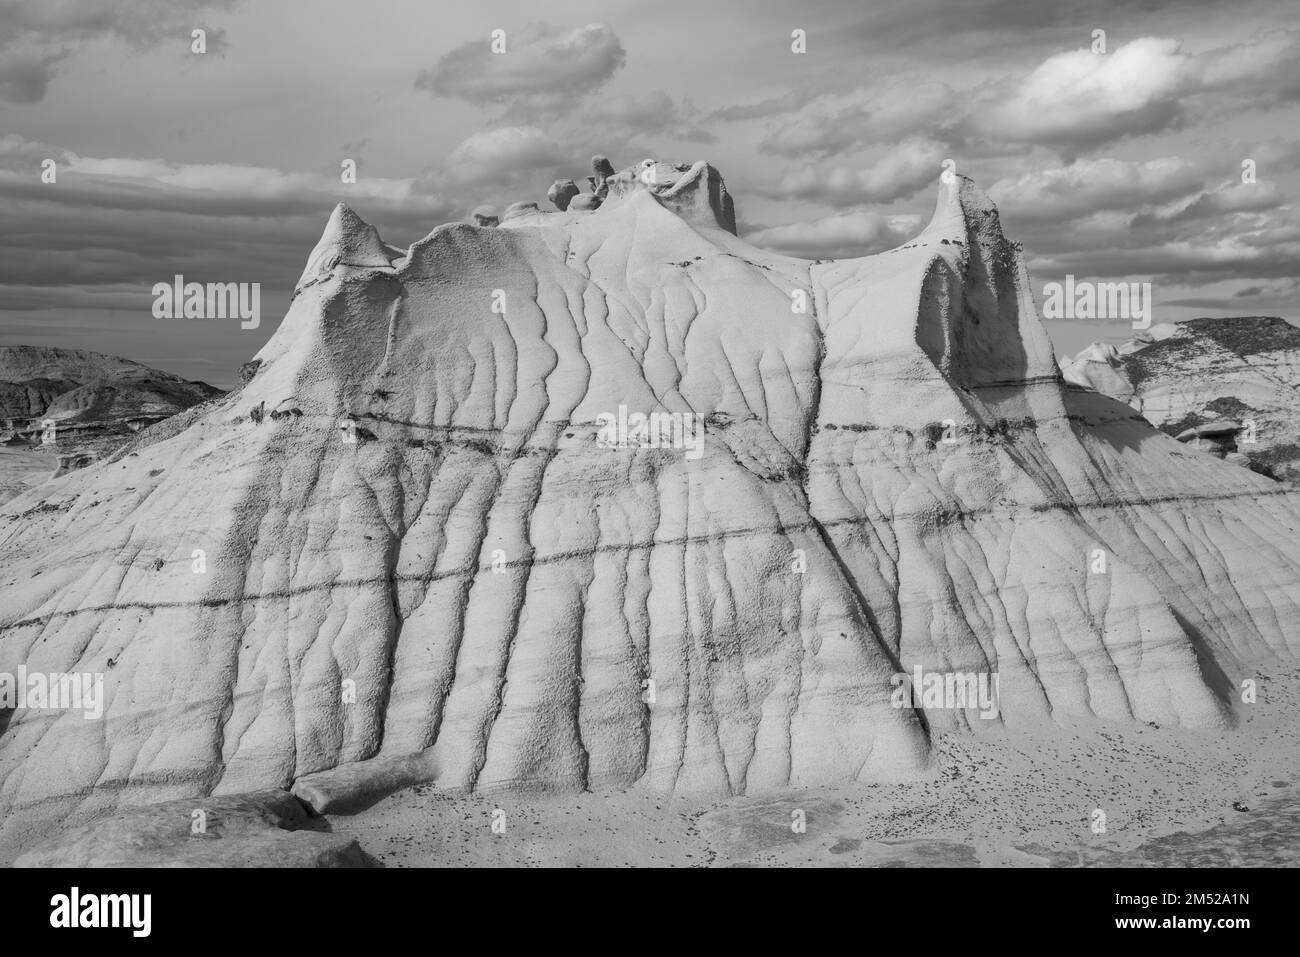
47 382
1187 376
95 402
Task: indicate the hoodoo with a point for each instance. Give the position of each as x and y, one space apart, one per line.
466 587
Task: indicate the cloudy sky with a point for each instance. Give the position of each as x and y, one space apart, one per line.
223 166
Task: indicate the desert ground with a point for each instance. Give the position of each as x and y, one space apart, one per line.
1004 798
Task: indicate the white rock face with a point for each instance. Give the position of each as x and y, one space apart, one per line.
437 569
1099 367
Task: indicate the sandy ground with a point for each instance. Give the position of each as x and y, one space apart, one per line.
1004 798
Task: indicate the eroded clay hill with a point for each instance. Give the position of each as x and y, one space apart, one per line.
419 562
1239 377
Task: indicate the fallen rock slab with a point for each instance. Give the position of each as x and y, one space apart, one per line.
356 786
260 829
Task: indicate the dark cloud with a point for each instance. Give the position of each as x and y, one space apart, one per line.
543 69
25 74
36 35
141 23
114 222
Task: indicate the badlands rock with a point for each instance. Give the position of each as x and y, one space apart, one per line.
585 203
1218 437
1099 367
518 210
696 193
602 168
486 216
347 241
561 192
1188 374
449 567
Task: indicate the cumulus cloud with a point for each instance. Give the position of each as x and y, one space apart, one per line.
543 67
495 165
1071 101
1082 97
1079 99
906 168
838 236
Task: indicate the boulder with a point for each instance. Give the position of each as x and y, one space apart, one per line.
602 168
561 192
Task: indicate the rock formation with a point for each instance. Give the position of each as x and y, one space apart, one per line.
561 192
517 210
1218 437
463 562
1189 375
1099 367
602 168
